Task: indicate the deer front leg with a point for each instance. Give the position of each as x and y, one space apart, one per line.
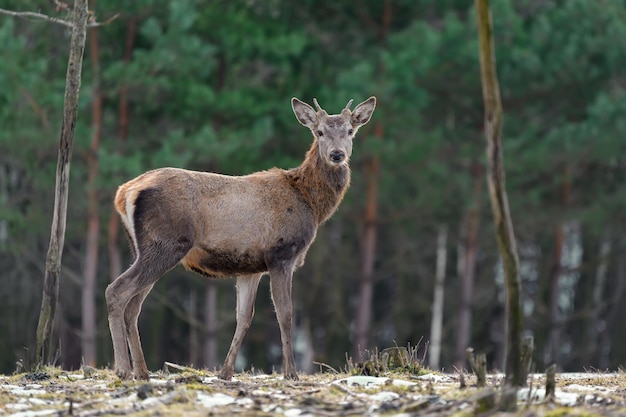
246 294
280 284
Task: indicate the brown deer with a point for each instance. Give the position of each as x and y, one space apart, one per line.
223 226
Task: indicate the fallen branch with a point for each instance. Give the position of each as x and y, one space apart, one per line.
320 364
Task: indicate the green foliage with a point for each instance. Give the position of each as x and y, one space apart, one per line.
208 87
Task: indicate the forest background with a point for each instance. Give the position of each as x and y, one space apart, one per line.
206 85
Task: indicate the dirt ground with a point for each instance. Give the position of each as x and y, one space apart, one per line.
97 392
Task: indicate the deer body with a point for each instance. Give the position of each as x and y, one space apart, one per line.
226 226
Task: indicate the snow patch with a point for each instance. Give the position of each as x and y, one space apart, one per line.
214 400
437 379
372 381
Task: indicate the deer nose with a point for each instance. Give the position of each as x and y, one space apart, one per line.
337 156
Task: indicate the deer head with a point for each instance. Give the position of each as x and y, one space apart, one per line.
334 133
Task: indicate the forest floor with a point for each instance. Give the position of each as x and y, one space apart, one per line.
97 392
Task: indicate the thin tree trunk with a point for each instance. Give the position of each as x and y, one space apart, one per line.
115 257
470 252
597 303
434 347
57 233
210 294
93 216
366 284
555 318
614 303
210 321
497 193
194 331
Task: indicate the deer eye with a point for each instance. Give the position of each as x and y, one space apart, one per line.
350 132
320 133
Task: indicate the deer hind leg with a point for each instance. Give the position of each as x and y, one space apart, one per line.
246 294
126 294
131 315
280 286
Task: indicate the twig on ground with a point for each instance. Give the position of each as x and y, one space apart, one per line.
325 366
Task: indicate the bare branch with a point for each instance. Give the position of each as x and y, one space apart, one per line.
106 22
40 16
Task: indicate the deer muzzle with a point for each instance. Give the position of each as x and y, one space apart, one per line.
337 156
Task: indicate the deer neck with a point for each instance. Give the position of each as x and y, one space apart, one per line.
321 186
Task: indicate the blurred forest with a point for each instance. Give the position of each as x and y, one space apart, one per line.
206 85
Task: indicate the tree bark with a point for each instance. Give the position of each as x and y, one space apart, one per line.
57 233
497 194
93 216
434 347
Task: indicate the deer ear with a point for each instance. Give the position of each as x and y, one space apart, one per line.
363 112
304 113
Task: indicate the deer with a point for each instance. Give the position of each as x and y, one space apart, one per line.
223 226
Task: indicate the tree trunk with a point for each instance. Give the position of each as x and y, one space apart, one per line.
210 322
555 318
597 303
606 336
57 233
470 252
93 216
497 193
553 309
366 284
194 331
115 257
434 347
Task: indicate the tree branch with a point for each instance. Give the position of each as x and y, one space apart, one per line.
94 24
40 16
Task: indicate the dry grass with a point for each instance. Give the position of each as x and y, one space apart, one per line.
190 392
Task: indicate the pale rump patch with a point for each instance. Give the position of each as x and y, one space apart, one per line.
125 206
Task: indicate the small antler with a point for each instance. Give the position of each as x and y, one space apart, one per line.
349 104
317 105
